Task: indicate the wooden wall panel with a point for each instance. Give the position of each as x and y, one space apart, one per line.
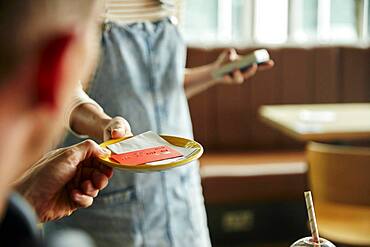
265 90
198 105
298 75
355 77
326 87
296 84
233 115
212 112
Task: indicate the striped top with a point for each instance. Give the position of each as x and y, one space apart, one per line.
129 11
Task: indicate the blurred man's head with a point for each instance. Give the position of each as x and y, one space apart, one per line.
46 46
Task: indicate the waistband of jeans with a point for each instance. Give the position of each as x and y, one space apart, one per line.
107 25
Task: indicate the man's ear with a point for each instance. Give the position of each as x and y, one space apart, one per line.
50 70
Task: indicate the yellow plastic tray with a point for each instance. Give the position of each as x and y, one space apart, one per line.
174 140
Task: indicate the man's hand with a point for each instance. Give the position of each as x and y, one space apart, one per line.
116 127
238 77
65 180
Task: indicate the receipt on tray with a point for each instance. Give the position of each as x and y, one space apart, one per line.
149 140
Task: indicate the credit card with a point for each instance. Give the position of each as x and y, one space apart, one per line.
146 155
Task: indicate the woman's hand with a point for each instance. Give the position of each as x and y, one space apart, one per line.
114 128
238 76
88 119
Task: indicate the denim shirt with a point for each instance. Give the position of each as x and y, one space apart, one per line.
140 77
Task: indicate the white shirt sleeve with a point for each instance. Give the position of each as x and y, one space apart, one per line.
80 97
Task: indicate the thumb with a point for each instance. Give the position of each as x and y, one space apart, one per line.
232 54
119 132
224 56
88 149
227 56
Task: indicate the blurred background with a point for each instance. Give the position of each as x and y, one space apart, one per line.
254 173
275 22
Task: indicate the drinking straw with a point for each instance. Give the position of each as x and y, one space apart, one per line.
312 217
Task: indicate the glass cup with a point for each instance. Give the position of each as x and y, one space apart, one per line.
308 242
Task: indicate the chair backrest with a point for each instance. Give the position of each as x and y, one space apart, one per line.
339 173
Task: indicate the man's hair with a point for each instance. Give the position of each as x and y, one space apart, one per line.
25 24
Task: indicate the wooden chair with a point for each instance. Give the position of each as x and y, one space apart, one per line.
340 182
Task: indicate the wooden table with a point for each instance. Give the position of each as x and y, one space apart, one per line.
320 122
